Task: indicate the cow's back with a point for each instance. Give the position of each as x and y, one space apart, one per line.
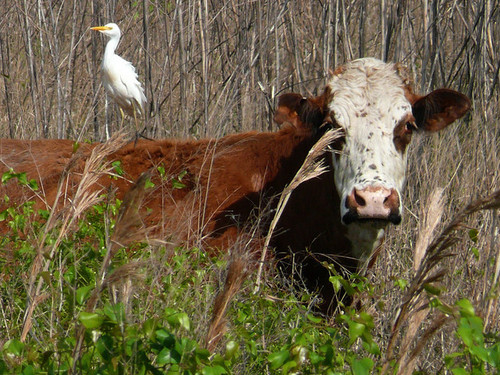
42 160
201 189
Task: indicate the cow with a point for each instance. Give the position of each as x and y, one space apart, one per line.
213 192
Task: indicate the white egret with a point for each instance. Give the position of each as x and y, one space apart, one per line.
119 76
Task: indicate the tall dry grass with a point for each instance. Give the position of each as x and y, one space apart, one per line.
211 68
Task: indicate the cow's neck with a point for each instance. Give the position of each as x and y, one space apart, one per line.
364 238
290 149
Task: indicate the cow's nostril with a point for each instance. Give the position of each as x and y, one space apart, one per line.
359 199
392 199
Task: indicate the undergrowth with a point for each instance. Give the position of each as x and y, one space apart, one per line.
153 311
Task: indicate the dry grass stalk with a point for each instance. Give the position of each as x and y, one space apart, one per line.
121 282
236 274
407 366
493 303
84 198
129 226
435 252
415 321
130 270
311 168
431 219
38 262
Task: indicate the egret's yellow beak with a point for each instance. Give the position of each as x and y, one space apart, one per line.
100 28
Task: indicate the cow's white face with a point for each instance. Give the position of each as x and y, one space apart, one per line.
373 103
368 103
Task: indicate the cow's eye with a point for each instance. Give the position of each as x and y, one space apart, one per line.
410 127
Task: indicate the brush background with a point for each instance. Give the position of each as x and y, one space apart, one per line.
210 68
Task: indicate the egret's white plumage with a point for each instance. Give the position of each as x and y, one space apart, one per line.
119 76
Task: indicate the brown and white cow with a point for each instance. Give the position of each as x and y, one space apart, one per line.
232 183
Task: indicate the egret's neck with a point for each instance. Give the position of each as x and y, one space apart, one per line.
111 46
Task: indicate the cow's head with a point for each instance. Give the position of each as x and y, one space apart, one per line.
373 103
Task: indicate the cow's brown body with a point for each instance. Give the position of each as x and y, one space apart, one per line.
230 186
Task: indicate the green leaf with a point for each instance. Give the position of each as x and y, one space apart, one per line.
329 355
33 184
473 235
288 366
277 359
176 184
117 166
82 293
475 251
202 353
232 348
355 330
314 318
214 370
179 319
459 371
6 176
115 313
432 289
494 354
335 280
362 366
184 321
466 308
480 352
161 170
28 370
90 320
315 358
14 347
166 356
21 177
149 326
465 333
372 347
165 338
105 347
174 370
401 283
44 214
70 274
161 334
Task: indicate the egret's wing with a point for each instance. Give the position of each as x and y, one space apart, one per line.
134 87
120 79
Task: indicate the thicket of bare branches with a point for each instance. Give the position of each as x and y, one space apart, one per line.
212 67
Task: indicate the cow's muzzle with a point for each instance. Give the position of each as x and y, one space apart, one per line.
372 203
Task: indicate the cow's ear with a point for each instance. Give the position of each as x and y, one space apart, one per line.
440 108
288 108
311 113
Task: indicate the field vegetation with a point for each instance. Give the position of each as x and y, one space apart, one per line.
86 292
